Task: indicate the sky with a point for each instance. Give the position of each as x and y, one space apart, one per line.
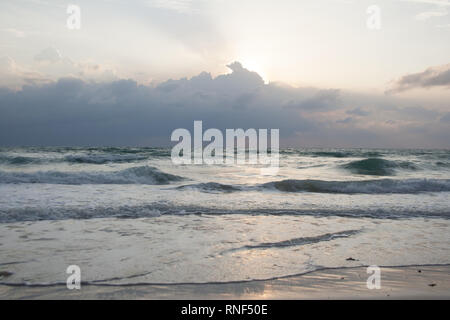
327 73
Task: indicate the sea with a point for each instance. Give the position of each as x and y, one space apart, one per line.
129 216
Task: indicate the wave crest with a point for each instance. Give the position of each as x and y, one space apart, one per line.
102 159
366 186
378 166
211 187
133 175
18 160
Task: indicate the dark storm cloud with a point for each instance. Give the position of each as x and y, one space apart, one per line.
320 100
74 112
431 77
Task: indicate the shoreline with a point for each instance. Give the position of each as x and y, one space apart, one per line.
402 282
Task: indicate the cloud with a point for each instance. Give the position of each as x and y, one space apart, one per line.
346 120
51 55
432 2
175 5
446 117
49 66
189 23
316 101
430 14
432 77
358 112
14 32
15 76
72 111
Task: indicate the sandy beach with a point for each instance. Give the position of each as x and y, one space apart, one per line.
412 282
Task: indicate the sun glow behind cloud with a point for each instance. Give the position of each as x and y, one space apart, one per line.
310 43
256 64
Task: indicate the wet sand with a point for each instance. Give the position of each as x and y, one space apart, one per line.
412 282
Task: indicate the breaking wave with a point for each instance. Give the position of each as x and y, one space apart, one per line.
79 155
380 186
332 153
9 215
211 187
104 158
18 160
378 166
134 175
